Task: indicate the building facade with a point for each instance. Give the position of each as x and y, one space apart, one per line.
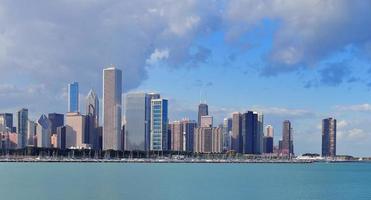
6 122
236 138
56 120
73 97
112 106
43 132
75 131
138 117
22 116
159 125
203 110
329 137
287 145
92 120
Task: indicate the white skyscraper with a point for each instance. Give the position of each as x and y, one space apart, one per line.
112 90
159 125
92 119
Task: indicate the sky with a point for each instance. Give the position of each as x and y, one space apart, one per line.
301 60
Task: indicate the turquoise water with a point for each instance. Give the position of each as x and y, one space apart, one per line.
52 181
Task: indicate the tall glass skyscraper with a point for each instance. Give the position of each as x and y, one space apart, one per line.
159 124
137 117
73 97
329 137
22 127
287 145
112 105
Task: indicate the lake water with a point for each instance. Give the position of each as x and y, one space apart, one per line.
54 181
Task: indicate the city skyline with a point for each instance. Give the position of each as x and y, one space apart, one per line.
264 62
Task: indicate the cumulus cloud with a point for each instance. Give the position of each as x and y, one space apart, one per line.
308 31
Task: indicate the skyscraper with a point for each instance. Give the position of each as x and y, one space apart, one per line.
92 119
73 97
6 121
75 130
249 129
287 146
31 133
203 110
43 132
112 100
236 139
176 130
22 127
56 120
329 137
188 133
138 117
227 133
159 124
268 139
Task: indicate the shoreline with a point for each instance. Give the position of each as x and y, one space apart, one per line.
149 161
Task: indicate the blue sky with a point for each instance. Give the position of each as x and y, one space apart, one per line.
299 60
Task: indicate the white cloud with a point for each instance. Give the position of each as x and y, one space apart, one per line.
158 55
354 108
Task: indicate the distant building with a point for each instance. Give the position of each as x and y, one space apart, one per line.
138 117
31 133
236 139
227 134
203 110
73 97
188 134
206 121
61 137
159 124
329 137
56 120
112 105
22 116
6 122
208 140
176 131
249 132
75 130
287 145
92 120
268 139
43 132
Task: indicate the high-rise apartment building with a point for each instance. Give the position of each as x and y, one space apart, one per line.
112 101
329 137
208 140
31 133
176 131
159 124
73 97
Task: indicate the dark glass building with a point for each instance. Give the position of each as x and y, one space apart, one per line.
56 120
329 137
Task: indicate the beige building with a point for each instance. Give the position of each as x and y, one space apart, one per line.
206 121
112 105
208 140
75 130
176 130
